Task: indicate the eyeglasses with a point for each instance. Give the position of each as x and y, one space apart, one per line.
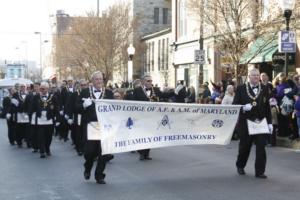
148 80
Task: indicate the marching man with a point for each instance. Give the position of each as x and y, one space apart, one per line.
254 97
45 109
92 148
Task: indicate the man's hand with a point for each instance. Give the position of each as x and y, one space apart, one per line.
87 102
270 128
70 121
247 107
15 102
8 116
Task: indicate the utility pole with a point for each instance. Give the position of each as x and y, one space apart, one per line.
201 41
200 69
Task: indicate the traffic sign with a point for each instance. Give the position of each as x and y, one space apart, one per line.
287 42
200 57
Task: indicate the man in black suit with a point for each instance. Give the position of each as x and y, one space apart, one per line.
254 97
20 108
146 92
45 110
7 112
86 105
32 119
66 124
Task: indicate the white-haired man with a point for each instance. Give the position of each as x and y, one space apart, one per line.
86 105
254 97
146 92
45 110
20 108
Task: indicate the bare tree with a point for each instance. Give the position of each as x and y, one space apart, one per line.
234 24
96 43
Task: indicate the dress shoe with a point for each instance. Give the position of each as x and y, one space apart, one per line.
241 171
86 175
148 158
109 157
34 151
100 181
262 176
43 155
142 157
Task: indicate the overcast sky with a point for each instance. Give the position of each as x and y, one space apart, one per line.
19 19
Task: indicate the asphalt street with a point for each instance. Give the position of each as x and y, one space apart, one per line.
176 173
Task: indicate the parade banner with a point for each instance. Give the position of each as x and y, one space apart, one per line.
133 125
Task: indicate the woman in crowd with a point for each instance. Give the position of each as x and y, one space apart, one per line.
229 95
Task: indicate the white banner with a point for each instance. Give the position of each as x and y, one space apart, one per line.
133 125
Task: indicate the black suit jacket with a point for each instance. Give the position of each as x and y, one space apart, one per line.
6 103
89 113
260 111
52 107
139 94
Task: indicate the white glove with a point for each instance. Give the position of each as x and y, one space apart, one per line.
270 128
87 102
26 116
15 102
8 116
70 121
61 113
67 117
57 124
247 107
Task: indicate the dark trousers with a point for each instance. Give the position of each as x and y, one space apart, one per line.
79 141
144 152
64 129
92 150
72 128
245 148
45 137
284 129
34 136
11 128
22 133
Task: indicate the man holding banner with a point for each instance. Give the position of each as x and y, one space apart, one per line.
92 148
254 123
145 93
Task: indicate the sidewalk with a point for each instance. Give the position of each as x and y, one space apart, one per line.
286 142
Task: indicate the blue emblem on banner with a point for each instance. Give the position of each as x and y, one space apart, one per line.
129 123
217 123
107 127
164 122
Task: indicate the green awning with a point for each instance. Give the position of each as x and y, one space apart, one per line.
260 51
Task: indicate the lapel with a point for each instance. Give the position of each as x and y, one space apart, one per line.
144 93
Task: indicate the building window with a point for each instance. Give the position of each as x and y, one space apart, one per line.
163 55
165 15
152 62
149 58
167 54
156 15
265 8
182 18
158 53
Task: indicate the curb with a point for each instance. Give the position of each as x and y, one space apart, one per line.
286 142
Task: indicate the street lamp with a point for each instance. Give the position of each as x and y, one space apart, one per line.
130 51
41 68
287 6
